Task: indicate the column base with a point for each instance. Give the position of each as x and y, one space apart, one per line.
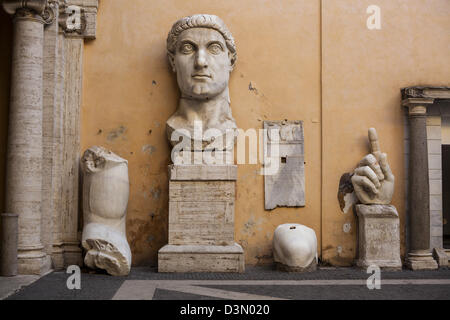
386 265
421 261
201 258
72 254
37 263
58 257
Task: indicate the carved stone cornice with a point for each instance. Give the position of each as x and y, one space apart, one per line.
426 92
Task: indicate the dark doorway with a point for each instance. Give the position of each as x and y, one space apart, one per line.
446 194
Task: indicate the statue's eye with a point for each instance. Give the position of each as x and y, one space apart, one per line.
215 48
187 48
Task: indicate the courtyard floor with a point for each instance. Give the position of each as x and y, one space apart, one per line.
257 283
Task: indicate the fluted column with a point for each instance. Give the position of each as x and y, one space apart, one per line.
419 255
24 150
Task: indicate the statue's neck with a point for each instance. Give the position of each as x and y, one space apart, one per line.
209 111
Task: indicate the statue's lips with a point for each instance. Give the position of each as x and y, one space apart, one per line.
201 76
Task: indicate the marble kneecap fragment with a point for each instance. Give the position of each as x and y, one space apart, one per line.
105 200
295 247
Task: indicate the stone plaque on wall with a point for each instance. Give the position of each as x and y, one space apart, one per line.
285 187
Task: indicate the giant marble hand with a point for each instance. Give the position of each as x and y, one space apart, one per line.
373 180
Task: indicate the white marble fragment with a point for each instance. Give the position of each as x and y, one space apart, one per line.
295 247
202 54
105 199
284 167
373 179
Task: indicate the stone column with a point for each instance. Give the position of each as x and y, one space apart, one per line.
8 245
71 149
50 69
77 22
57 165
419 257
24 155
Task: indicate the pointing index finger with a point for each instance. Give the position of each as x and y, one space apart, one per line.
373 139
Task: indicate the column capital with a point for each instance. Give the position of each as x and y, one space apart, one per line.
417 106
50 11
12 6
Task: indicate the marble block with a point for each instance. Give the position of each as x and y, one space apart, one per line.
201 258
379 236
201 220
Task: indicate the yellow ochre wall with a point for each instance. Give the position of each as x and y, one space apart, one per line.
311 60
128 90
362 73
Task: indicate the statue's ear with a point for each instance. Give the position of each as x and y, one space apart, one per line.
171 58
232 58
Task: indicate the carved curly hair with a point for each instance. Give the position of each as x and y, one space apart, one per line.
201 21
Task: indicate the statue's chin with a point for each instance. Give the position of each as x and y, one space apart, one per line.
202 91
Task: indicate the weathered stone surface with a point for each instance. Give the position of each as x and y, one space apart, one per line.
201 204
11 7
9 238
202 172
224 157
201 223
441 257
48 129
88 20
73 71
25 148
295 248
421 260
105 199
58 156
379 236
201 191
198 258
285 145
419 256
426 92
346 194
201 216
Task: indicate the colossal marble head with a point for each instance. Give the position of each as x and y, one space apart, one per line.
202 54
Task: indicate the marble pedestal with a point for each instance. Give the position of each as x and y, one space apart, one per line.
379 236
201 221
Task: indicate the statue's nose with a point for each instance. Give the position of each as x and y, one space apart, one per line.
200 59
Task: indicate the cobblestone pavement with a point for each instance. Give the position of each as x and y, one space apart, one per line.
257 283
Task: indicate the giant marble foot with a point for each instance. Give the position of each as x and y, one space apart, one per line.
105 199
